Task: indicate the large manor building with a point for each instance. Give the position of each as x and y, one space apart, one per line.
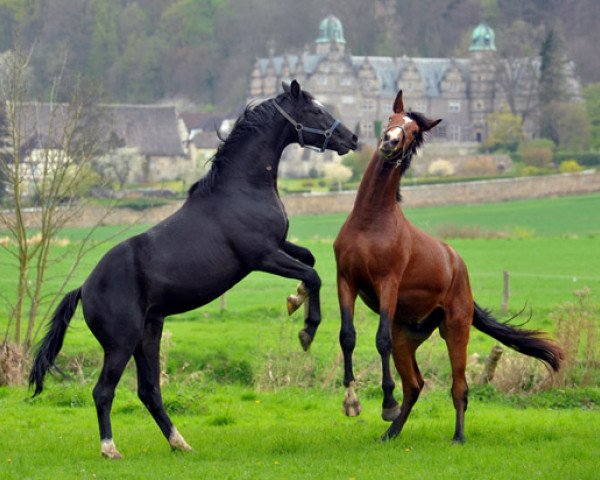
360 89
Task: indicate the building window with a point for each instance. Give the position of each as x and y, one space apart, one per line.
348 100
421 107
346 82
453 87
322 80
368 106
454 107
440 131
454 133
409 86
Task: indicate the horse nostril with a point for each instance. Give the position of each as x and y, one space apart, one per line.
386 137
394 142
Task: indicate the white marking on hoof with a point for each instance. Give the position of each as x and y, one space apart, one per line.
352 406
177 442
295 301
109 450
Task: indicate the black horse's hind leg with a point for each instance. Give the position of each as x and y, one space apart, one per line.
115 362
294 302
147 359
281 263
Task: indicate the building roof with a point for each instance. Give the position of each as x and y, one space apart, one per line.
331 30
483 38
151 129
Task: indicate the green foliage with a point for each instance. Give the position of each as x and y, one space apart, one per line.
536 153
591 94
142 203
505 131
569 166
358 161
589 159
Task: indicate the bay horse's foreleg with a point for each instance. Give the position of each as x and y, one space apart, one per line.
388 295
347 299
147 360
403 351
305 256
115 362
281 263
456 327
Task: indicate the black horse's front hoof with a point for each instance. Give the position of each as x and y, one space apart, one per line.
458 440
305 340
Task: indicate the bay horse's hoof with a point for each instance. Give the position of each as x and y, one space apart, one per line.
305 340
109 450
177 442
390 414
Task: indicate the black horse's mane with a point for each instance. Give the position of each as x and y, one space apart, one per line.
253 118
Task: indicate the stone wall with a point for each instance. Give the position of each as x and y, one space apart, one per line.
413 196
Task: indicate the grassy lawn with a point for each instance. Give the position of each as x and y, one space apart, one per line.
294 433
254 406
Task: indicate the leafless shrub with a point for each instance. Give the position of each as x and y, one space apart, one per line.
577 333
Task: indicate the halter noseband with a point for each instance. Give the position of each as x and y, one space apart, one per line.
405 153
301 128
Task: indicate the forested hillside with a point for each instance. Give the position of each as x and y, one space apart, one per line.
201 51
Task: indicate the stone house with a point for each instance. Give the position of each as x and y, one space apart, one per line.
151 130
360 89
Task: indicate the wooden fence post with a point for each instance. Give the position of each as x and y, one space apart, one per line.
490 365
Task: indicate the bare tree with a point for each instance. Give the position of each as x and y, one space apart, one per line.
48 154
117 165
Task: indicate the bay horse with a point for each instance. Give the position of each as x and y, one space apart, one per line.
415 283
232 223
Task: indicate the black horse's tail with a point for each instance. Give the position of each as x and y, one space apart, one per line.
49 347
528 342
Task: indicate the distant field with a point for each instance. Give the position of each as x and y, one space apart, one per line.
254 406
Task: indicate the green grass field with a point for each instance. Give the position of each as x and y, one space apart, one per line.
254 406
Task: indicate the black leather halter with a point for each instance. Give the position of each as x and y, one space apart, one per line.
301 128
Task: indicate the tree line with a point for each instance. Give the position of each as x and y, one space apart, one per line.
202 51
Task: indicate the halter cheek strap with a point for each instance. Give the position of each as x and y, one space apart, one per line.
301 128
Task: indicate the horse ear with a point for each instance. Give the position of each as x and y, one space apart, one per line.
429 124
398 103
286 87
295 89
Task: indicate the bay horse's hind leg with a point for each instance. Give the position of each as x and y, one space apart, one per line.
403 350
390 408
455 331
147 359
115 362
347 299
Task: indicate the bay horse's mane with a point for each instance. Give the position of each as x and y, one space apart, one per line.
253 118
418 140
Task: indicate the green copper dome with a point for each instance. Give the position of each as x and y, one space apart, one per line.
331 30
483 38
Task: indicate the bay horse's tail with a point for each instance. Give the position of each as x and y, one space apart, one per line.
528 342
49 347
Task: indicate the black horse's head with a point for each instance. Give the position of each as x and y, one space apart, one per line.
315 127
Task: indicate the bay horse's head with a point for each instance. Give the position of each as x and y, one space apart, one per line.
315 127
403 134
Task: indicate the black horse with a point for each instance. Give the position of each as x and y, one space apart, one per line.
232 223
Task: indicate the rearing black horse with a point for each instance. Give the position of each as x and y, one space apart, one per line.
232 223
